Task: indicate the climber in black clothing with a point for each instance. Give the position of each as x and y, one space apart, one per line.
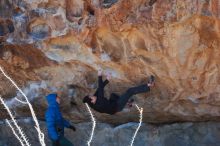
115 103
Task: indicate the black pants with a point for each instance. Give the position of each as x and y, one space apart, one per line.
123 99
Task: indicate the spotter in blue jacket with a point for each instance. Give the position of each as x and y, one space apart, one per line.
54 119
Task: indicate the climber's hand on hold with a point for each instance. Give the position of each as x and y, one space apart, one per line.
100 72
108 76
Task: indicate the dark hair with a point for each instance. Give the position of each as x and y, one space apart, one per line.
86 99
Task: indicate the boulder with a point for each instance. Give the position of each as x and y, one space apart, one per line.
196 134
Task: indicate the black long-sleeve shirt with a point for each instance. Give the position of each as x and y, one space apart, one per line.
103 105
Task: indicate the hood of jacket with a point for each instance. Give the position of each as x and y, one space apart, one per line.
51 99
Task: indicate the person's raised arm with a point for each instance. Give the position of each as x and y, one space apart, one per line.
105 82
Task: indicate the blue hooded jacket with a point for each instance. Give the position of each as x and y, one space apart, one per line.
54 119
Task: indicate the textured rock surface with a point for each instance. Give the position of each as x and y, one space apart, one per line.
58 44
187 134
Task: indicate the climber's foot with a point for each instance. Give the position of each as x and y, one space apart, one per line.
151 81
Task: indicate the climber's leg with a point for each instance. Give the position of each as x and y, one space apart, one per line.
114 97
100 90
122 101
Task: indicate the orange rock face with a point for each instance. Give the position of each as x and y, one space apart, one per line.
177 41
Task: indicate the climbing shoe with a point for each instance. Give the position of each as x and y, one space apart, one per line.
151 80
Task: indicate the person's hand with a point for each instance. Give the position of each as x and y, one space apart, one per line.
72 127
108 76
100 72
56 143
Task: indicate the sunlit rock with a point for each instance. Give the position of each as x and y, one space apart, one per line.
70 40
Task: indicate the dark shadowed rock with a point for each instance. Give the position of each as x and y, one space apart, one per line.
108 3
2 31
10 26
40 31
